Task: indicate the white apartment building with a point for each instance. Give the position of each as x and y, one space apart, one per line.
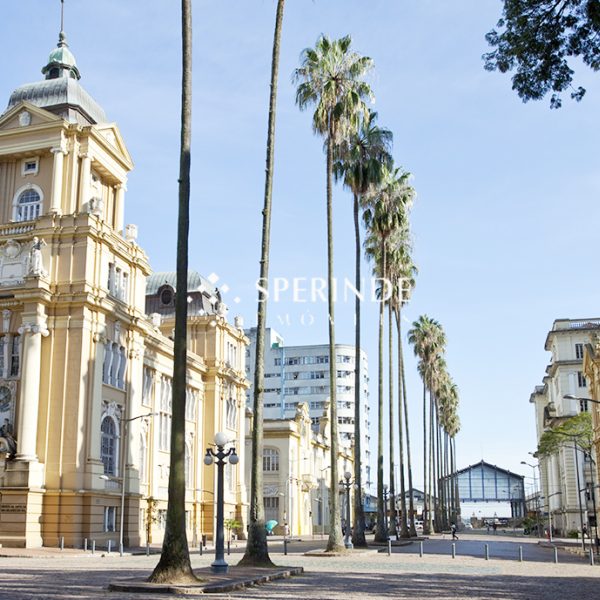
298 374
566 477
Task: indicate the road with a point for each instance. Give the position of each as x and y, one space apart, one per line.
359 574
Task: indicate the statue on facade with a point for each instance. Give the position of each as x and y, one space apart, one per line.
36 265
6 436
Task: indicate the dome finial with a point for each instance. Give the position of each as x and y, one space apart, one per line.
61 62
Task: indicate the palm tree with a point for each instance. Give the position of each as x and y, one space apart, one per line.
385 212
428 340
331 78
402 275
174 565
257 552
361 159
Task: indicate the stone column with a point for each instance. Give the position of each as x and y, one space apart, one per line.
31 336
119 207
85 176
57 180
95 404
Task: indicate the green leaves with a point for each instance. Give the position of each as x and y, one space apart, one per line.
537 38
573 431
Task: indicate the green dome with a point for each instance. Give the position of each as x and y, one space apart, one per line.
61 62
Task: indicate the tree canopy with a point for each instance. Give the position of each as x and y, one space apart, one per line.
574 430
539 39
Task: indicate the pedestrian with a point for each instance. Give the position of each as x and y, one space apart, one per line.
494 527
487 524
453 529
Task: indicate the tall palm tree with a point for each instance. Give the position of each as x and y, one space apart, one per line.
428 340
402 275
360 162
331 78
385 212
174 565
257 552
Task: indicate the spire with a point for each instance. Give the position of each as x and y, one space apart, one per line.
61 62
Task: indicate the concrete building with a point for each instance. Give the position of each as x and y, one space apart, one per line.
300 374
568 502
81 360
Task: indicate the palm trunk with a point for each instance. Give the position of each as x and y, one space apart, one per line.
257 552
411 504
425 514
404 531
174 565
432 496
358 534
381 533
393 526
335 542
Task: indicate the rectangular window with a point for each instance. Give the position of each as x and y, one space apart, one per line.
579 351
110 518
164 420
15 354
147 386
30 166
581 382
271 508
270 460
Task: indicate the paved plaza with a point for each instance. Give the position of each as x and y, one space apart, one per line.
370 574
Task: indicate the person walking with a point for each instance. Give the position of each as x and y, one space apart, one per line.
453 530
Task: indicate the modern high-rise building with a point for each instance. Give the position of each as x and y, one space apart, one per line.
297 374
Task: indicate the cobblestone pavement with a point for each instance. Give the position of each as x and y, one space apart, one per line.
356 575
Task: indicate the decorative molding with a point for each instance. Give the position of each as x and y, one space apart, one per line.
33 328
24 118
112 409
6 314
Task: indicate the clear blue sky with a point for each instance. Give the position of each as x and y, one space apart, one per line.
506 219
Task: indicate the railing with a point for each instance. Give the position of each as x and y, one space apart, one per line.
16 228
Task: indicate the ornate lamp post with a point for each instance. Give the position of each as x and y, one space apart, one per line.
385 508
346 485
219 457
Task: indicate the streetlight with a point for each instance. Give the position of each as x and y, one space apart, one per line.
219 565
537 499
121 480
385 510
346 485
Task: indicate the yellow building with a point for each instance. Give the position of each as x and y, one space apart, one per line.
85 348
591 369
296 472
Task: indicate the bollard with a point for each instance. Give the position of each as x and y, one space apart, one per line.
228 547
520 553
200 548
93 546
62 543
591 557
389 547
555 554
487 552
120 549
108 547
421 549
147 549
285 543
453 550
85 544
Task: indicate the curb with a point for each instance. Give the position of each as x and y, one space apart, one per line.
214 587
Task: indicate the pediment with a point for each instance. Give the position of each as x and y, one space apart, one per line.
25 114
110 132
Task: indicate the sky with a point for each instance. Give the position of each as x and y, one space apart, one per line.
506 217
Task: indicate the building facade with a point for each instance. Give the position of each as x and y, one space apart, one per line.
296 472
86 355
566 476
297 375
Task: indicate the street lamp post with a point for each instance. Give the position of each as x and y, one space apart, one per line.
385 509
346 484
219 457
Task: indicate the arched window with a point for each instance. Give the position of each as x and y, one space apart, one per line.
188 466
231 408
109 445
270 459
28 205
143 458
122 366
